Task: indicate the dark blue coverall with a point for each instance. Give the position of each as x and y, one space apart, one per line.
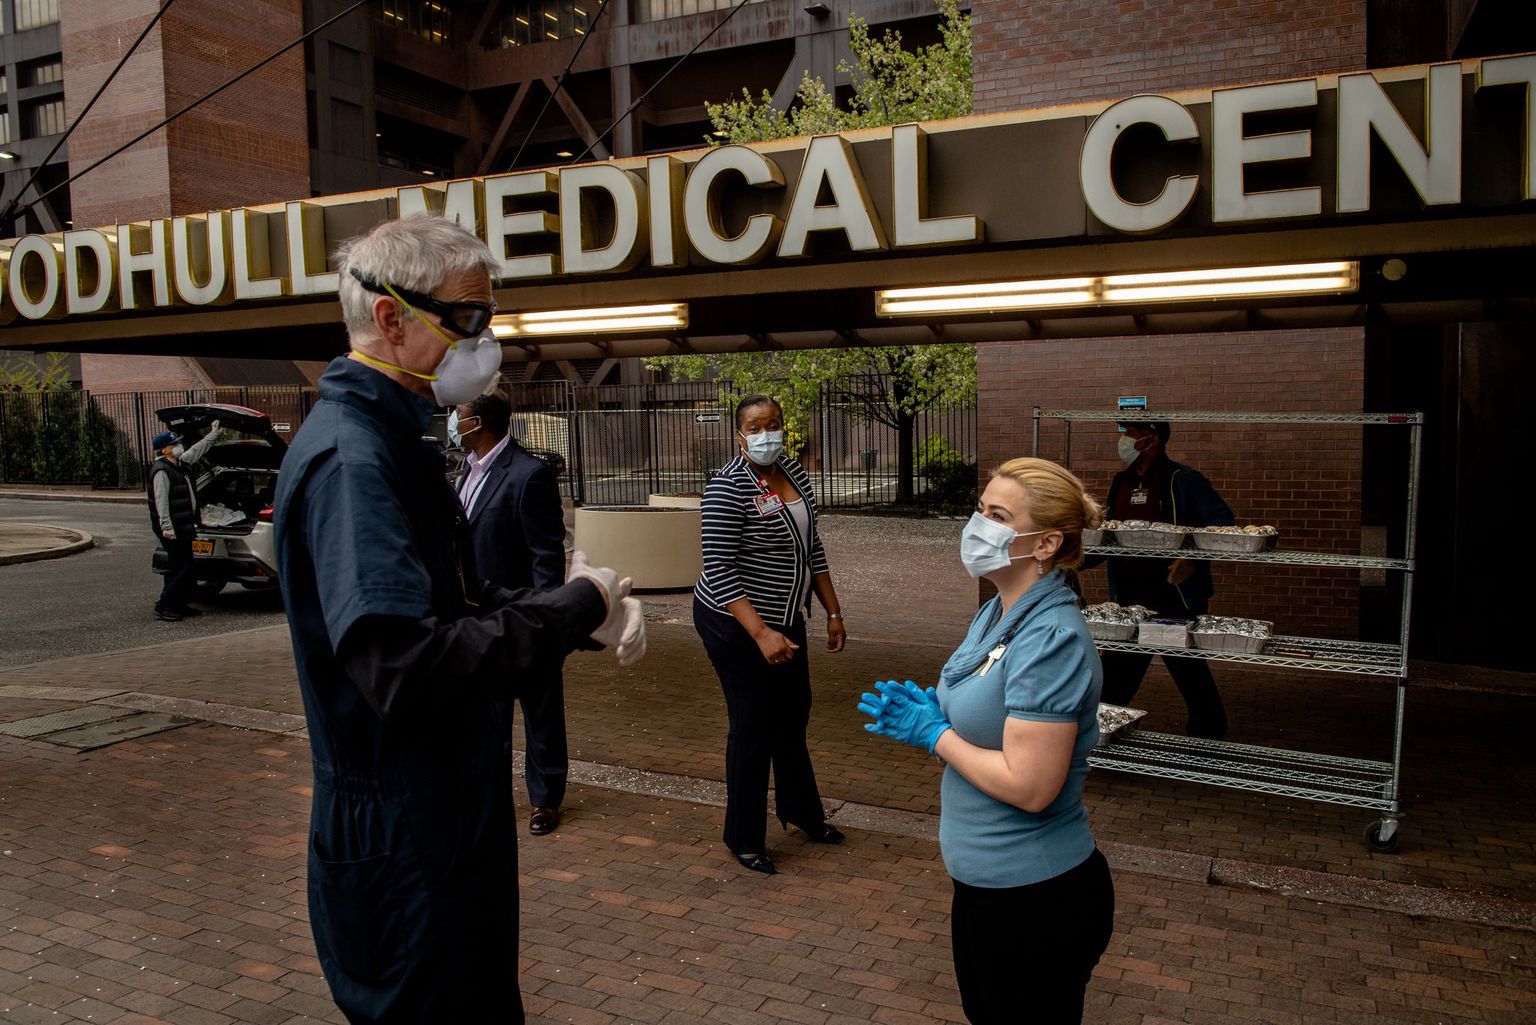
401 661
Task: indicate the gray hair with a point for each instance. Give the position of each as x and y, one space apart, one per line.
416 253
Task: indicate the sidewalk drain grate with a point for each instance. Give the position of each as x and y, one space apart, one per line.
101 734
53 722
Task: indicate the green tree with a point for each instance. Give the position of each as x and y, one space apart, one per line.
887 384
890 85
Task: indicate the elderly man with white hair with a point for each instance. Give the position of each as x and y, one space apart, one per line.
406 661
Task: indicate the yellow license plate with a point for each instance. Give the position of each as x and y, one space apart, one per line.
202 547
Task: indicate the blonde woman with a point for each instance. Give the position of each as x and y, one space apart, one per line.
1015 716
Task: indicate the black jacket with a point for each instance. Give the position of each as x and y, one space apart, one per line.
1192 502
517 529
183 499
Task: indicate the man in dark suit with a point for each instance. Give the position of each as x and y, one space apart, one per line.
517 531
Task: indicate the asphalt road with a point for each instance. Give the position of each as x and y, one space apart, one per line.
100 599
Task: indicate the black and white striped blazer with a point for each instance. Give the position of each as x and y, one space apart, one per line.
748 555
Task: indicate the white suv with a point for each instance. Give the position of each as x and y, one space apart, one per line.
236 480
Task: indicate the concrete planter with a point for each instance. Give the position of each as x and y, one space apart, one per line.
675 501
656 546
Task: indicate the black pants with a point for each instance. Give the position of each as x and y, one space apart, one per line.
176 591
1123 673
546 761
1026 953
769 707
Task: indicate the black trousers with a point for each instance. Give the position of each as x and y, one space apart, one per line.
176 591
1124 671
768 707
1025 954
546 762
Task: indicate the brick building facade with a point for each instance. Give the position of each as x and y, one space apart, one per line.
247 145
1334 488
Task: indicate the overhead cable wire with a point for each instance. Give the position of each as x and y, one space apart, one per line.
198 102
559 83
11 205
676 64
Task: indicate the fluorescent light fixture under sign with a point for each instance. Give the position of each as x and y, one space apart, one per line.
1113 289
600 320
994 296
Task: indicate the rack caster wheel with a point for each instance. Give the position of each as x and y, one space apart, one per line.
1381 837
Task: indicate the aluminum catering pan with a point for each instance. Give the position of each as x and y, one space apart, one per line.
1223 542
1097 536
1114 719
1103 631
1228 642
1151 538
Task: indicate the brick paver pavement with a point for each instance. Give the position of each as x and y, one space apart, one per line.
162 879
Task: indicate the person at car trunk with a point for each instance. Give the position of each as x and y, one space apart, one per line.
517 534
173 517
403 656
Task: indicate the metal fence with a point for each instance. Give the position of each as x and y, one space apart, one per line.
102 440
620 443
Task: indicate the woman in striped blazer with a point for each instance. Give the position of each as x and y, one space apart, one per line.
762 561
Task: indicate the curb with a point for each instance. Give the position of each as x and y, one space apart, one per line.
81 543
117 497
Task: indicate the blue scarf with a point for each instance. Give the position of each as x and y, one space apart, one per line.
1049 592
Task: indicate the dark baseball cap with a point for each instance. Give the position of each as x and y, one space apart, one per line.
163 439
1159 427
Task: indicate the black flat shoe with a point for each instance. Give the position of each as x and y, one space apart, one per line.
823 833
757 863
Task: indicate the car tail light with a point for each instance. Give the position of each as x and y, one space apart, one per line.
265 516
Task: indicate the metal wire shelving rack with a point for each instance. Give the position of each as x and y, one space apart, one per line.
1354 782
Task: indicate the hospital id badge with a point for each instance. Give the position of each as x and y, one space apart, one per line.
768 504
1139 496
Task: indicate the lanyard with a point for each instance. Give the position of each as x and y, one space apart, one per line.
469 498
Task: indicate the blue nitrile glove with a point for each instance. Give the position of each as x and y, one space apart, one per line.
900 716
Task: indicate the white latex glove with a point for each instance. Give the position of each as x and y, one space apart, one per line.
625 634
213 428
613 589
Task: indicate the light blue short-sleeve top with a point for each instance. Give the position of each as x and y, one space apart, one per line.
1050 672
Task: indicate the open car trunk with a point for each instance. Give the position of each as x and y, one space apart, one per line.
237 478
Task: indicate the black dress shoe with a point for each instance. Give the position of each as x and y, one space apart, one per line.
757 863
168 616
543 820
825 832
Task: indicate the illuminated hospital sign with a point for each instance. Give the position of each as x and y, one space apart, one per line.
1455 137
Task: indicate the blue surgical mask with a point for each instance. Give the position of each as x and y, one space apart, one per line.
454 434
765 447
178 451
984 545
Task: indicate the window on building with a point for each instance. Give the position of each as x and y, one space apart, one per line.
34 13
432 20
541 21
42 72
5 126
44 117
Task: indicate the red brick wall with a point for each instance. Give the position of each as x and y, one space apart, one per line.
1303 479
247 145
95 34
108 374
1306 481
1039 53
